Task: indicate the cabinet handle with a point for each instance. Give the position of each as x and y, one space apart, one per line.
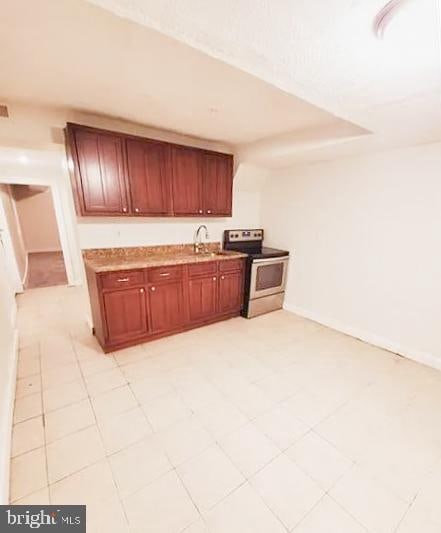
122 280
136 210
141 290
200 211
124 209
164 274
209 211
222 277
214 278
153 288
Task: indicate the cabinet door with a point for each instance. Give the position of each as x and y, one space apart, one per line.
126 314
166 306
101 172
217 180
187 190
202 298
148 172
230 292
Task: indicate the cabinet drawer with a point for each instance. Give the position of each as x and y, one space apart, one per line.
202 269
166 273
122 278
230 265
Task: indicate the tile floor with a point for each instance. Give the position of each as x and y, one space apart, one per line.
271 425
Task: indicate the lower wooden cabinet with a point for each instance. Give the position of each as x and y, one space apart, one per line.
166 306
125 314
170 300
202 298
230 291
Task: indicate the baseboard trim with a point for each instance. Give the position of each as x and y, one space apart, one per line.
425 358
6 426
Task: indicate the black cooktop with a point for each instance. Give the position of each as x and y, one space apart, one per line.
266 252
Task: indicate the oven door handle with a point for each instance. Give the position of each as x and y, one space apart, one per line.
284 258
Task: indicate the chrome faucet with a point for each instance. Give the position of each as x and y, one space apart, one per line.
197 240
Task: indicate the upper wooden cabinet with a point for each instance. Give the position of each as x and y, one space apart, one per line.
217 184
118 174
187 181
101 177
149 177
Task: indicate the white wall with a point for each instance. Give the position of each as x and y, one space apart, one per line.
365 234
7 372
38 222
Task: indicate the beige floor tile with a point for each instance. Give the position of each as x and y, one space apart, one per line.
243 511
74 452
68 420
129 355
113 402
374 506
319 459
197 527
419 519
123 429
62 395
105 381
311 408
107 516
249 449
165 411
287 490
53 376
28 365
281 426
28 385
28 473
163 507
328 516
27 436
209 477
185 440
97 365
147 389
220 417
278 386
86 487
27 407
138 465
251 400
39 497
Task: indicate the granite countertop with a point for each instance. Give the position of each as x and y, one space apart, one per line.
113 259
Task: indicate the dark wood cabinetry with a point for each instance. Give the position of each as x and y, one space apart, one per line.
230 291
101 188
123 175
149 178
202 298
125 315
134 306
166 306
187 184
217 184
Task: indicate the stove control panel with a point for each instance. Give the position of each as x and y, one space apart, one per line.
240 235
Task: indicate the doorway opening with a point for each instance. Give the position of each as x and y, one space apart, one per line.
32 233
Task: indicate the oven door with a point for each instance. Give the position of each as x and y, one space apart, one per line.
268 276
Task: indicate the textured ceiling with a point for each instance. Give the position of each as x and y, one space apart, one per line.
283 81
323 51
70 54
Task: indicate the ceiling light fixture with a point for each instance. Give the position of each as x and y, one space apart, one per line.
386 14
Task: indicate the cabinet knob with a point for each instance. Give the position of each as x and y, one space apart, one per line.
200 211
209 211
222 277
124 209
153 288
136 210
214 278
141 290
